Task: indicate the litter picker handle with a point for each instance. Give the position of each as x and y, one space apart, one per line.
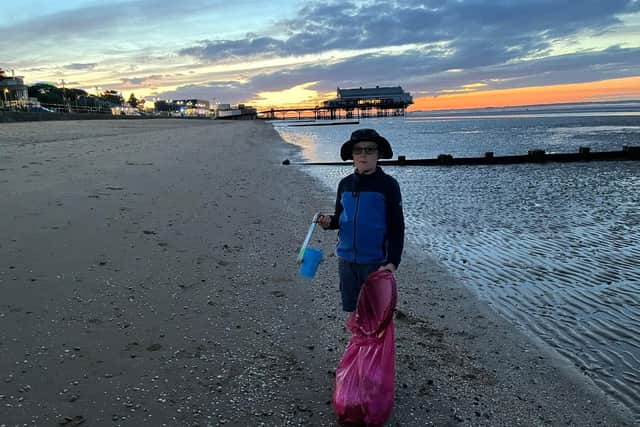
314 221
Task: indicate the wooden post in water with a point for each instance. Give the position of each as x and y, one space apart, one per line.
631 152
445 159
584 152
536 156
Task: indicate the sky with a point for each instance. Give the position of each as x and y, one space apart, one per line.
446 53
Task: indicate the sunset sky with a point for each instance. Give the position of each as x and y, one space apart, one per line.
446 53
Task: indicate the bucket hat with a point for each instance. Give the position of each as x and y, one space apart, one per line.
384 148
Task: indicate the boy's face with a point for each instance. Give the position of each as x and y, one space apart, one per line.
365 156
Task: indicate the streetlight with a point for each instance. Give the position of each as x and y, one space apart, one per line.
64 93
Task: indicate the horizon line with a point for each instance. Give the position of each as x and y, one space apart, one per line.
506 107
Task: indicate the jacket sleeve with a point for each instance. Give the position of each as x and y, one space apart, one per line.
395 224
335 219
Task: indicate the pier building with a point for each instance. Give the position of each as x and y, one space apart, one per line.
370 98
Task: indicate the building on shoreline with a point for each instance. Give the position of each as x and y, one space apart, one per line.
183 108
193 107
13 91
14 95
367 98
239 112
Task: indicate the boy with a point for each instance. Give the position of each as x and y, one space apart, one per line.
368 215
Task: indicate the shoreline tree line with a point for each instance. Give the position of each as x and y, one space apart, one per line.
48 94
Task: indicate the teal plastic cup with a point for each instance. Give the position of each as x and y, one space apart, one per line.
310 261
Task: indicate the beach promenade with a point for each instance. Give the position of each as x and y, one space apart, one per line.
148 277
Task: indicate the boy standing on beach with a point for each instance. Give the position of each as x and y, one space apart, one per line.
368 215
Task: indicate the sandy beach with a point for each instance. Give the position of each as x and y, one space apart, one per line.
148 277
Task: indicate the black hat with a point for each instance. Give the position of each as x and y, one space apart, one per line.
384 148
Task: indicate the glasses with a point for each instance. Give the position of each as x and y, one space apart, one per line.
365 150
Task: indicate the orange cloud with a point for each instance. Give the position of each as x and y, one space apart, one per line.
605 90
297 96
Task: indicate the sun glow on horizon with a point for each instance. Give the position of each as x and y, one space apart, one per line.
606 90
297 96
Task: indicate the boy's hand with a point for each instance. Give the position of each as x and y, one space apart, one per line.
389 267
324 221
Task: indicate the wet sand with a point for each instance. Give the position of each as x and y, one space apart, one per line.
148 277
553 248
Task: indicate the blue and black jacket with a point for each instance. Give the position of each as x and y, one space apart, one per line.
369 217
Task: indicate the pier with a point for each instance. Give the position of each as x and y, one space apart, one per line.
584 154
329 113
349 104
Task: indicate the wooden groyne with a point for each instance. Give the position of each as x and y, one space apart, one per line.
584 154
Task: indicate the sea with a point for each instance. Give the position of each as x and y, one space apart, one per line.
553 248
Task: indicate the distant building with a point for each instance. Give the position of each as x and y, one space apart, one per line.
241 111
125 110
376 97
13 91
192 107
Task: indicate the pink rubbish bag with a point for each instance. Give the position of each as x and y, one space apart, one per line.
365 376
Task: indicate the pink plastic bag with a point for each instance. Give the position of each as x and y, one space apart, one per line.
365 376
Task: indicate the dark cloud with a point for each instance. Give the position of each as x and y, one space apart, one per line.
417 70
224 92
77 66
507 29
614 62
141 80
433 76
228 49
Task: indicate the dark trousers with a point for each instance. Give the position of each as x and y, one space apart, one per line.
352 277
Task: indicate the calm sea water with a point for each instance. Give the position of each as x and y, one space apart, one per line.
554 248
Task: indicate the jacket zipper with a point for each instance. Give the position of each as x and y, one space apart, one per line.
355 221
